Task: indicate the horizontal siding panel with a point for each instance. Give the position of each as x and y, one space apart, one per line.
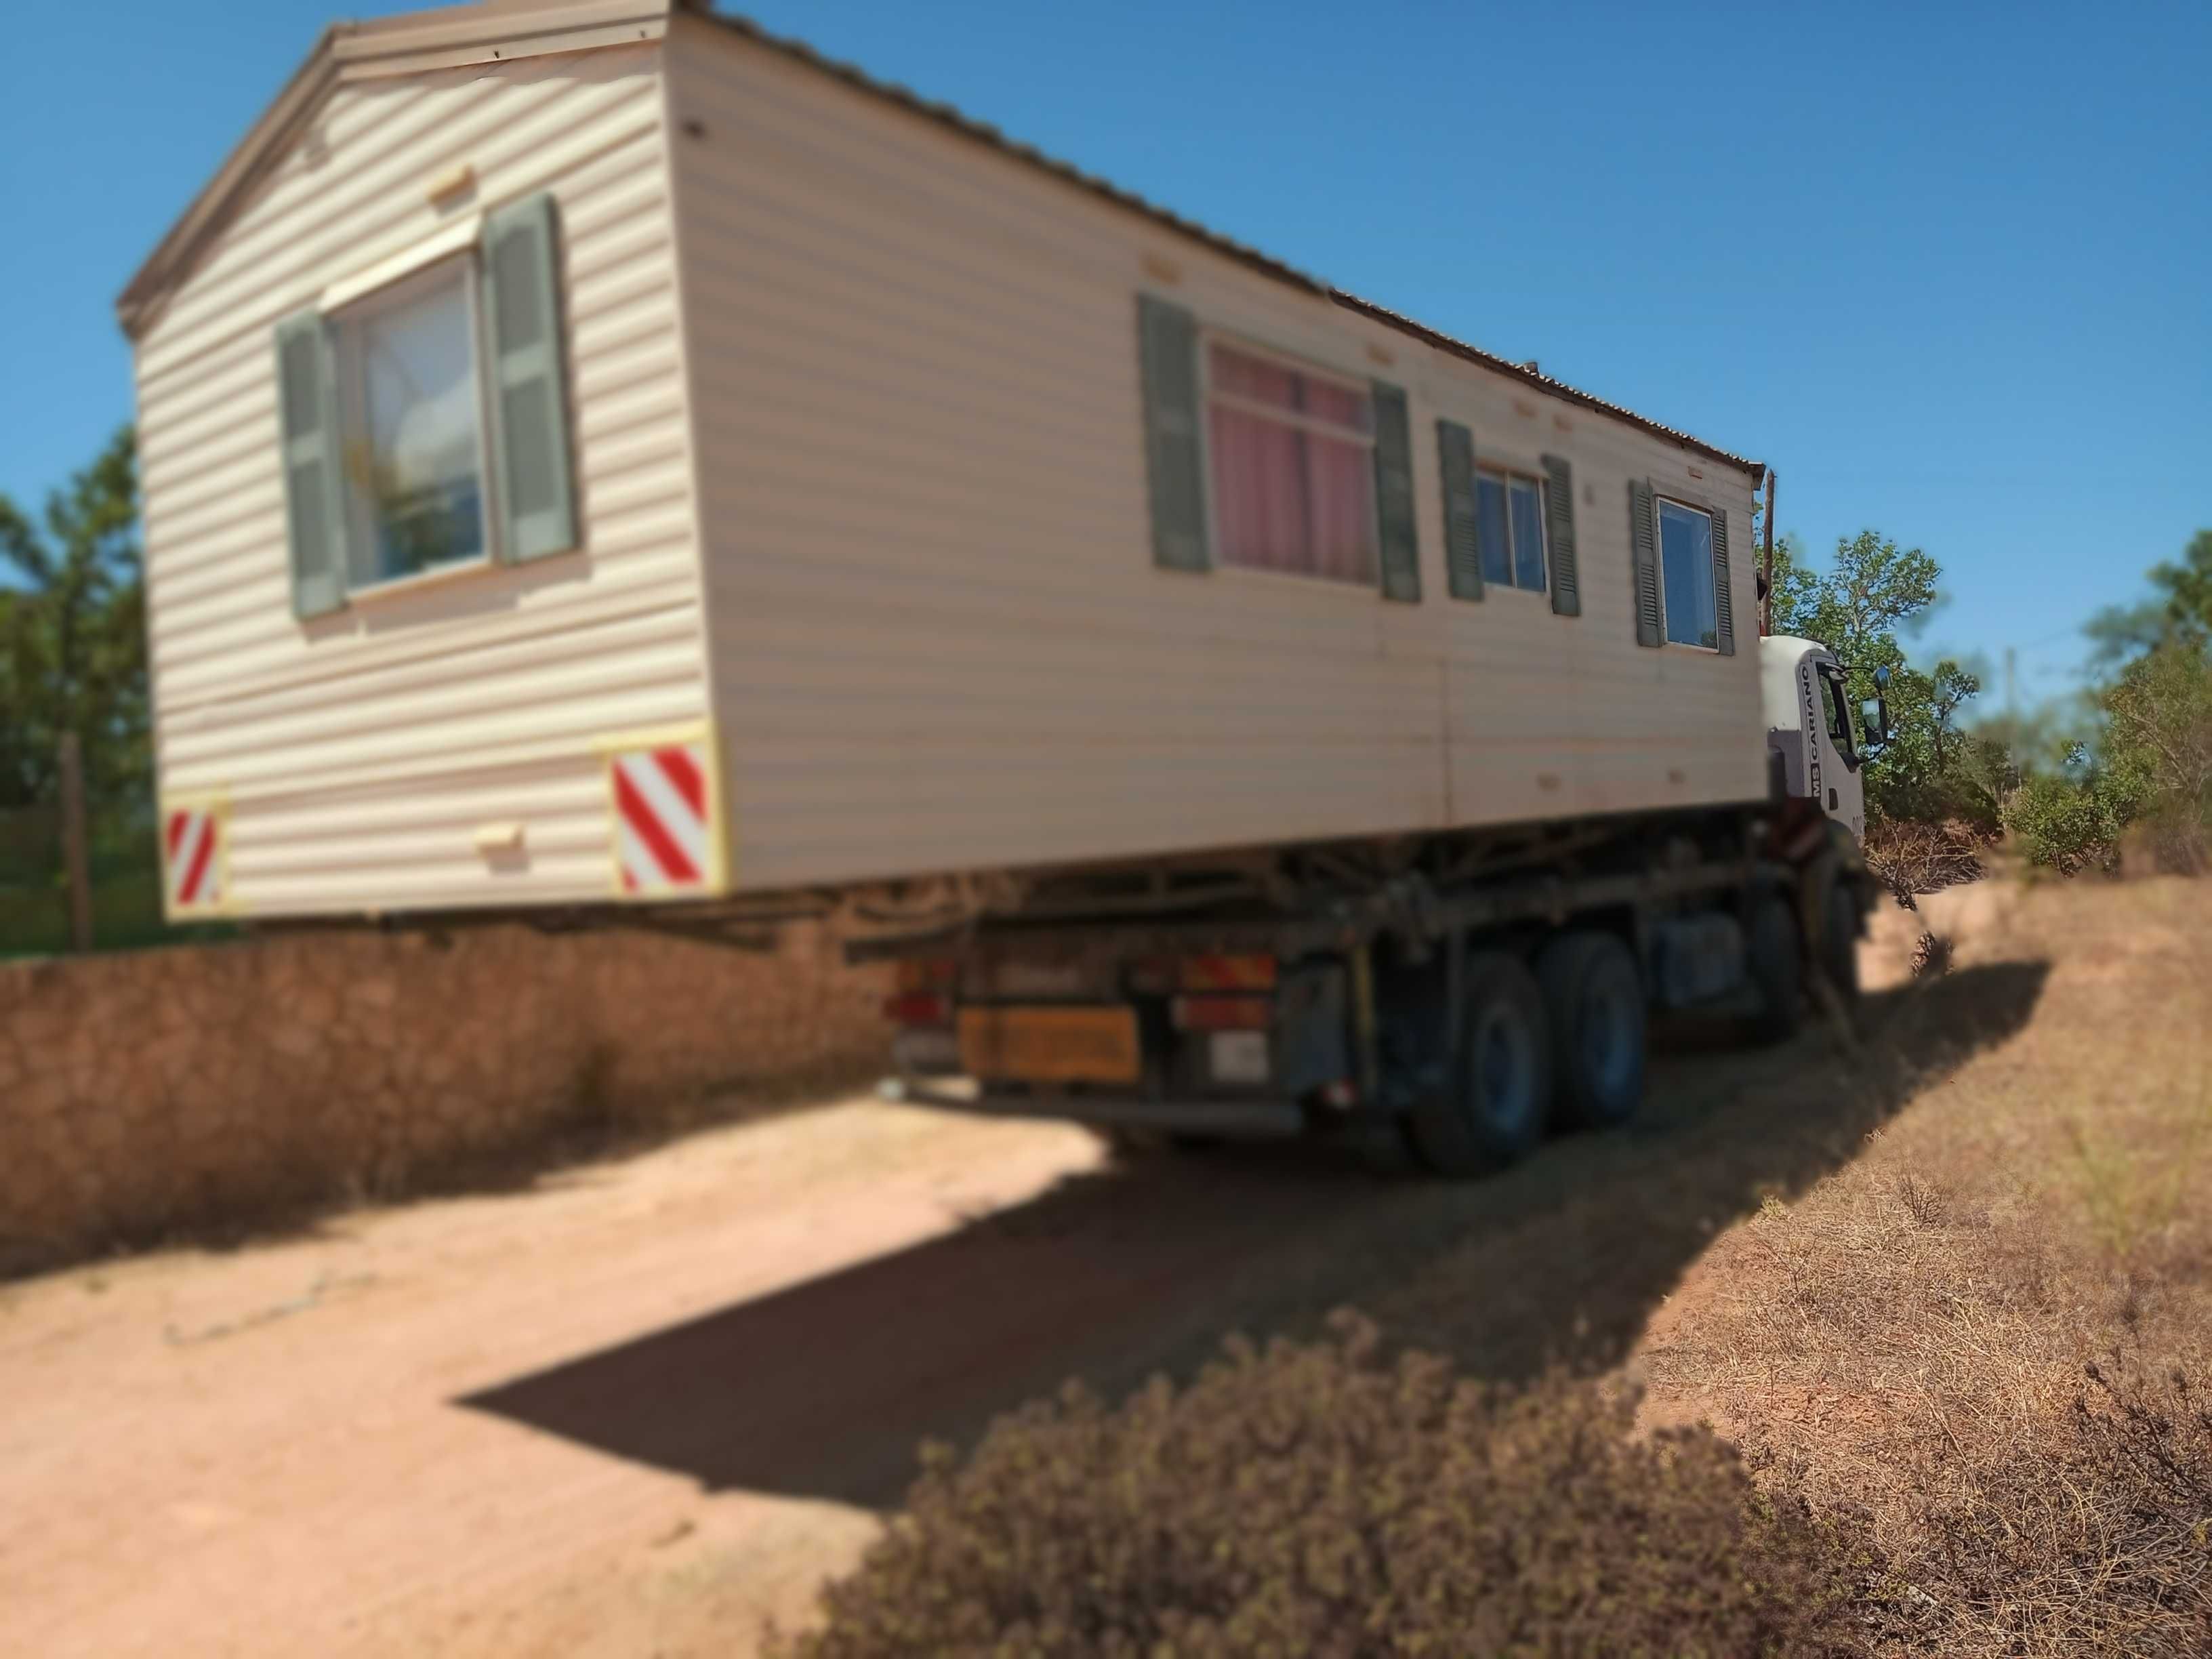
363 752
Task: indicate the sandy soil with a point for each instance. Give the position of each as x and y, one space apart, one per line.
650 1402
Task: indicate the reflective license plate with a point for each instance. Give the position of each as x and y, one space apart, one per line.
1051 1045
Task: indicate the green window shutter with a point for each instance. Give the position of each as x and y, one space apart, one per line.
530 382
1559 533
314 484
1394 495
1462 548
1167 359
1723 600
1643 561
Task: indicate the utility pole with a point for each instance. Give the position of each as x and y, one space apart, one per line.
74 854
2012 718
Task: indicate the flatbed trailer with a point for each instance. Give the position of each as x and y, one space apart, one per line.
1470 992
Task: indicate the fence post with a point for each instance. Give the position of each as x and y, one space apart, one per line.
74 854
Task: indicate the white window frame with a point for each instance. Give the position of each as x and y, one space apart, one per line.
1510 475
396 282
1207 397
1659 501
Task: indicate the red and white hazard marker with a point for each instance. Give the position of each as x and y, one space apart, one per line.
664 821
191 845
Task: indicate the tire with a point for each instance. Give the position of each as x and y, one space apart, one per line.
1594 1002
1839 942
1775 962
1495 1106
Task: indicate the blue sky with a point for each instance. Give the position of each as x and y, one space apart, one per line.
1947 267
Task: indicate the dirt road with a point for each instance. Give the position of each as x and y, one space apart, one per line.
639 1407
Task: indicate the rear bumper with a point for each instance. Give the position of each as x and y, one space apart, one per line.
1242 1120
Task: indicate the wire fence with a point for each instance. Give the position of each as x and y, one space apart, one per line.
124 862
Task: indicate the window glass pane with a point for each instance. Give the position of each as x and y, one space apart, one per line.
1255 378
1686 555
1343 478
1839 725
1341 405
1259 491
1490 520
1286 495
417 467
1528 537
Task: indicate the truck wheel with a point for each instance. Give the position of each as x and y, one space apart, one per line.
1594 1000
1839 944
1777 969
1493 1110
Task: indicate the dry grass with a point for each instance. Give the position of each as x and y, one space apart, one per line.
1985 1336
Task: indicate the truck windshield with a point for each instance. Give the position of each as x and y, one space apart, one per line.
1839 720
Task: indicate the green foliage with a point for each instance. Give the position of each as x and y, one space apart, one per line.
2066 823
73 659
73 637
1324 1500
2157 746
2179 613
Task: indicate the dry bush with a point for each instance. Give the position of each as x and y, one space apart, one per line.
1931 955
1910 857
1324 1500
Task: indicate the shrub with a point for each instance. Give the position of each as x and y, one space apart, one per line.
1320 1500
2064 825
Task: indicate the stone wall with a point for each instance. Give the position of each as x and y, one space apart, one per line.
155 1093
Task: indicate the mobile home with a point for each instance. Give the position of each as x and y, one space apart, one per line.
594 452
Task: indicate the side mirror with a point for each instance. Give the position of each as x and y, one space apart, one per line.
1874 718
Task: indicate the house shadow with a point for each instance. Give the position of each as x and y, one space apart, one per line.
825 1389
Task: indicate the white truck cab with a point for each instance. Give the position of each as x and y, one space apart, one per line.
1816 748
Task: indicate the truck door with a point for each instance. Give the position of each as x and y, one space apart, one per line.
1842 790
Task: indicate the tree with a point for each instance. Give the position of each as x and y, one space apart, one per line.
73 639
2181 609
2187 585
2157 746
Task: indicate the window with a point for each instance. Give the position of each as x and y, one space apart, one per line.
412 410
1510 509
1292 460
397 459
1686 559
1839 720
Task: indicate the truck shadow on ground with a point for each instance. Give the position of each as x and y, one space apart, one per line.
825 1391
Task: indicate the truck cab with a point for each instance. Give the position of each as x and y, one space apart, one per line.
1815 750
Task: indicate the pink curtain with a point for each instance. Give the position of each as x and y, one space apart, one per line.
1286 497
1343 479
1259 494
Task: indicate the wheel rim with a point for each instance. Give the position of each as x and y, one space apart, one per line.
1608 1038
1504 1069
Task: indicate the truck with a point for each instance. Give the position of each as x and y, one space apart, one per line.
1467 991
605 464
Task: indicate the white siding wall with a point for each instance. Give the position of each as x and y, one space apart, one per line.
939 638
362 750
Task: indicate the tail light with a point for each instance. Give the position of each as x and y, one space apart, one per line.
919 1008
